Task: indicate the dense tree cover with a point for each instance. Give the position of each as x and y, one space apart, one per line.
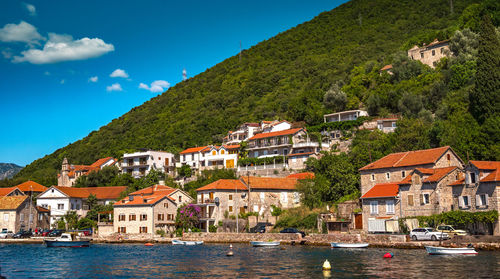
283 77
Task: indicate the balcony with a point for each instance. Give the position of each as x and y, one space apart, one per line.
306 144
206 202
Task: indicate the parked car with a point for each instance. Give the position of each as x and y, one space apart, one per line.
45 232
293 230
6 234
260 228
450 230
23 234
56 233
427 234
87 232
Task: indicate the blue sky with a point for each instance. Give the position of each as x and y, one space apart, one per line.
70 67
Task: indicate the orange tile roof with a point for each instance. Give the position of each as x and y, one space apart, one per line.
438 174
101 193
153 189
409 158
382 190
386 67
100 162
302 175
233 146
31 186
492 177
142 200
7 190
406 180
486 165
11 202
224 184
271 183
275 134
41 209
193 149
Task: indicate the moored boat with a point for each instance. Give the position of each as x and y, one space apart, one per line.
264 243
67 240
184 242
432 250
348 245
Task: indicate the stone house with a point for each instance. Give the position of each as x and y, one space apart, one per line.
148 210
31 188
430 54
69 173
59 200
478 190
19 213
139 164
380 184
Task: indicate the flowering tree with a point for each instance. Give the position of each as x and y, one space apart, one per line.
188 216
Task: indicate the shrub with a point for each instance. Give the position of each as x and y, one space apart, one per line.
276 211
161 233
212 228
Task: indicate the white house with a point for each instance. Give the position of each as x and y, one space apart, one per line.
139 164
210 157
344 115
59 200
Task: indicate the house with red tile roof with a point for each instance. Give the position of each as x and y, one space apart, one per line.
430 54
243 133
147 210
31 188
210 157
61 199
408 183
19 213
11 191
478 189
69 173
247 194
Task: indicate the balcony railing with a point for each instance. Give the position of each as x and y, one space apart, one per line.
306 144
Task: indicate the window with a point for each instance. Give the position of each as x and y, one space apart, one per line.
143 230
230 197
424 199
72 206
122 230
6 217
161 217
403 174
121 217
214 153
421 55
388 175
433 52
230 209
374 207
211 195
256 153
222 152
159 158
45 205
448 157
180 198
410 200
60 206
472 177
393 124
144 217
373 177
21 217
482 200
442 50
389 207
464 201
31 218
131 217
166 204
77 206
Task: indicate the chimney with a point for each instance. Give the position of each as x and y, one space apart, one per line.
161 182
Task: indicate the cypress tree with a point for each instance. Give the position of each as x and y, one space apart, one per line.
484 98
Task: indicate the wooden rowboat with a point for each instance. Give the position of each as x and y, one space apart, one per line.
432 250
348 245
184 242
264 243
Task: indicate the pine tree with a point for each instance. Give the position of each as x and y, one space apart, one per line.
484 98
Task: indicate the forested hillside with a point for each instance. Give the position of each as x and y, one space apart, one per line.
288 75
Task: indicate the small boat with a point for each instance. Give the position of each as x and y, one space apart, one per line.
264 243
432 250
184 242
348 245
67 240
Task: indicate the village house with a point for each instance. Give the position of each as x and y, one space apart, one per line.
59 199
210 157
384 124
274 126
70 173
386 69
430 54
478 190
31 188
344 115
229 197
10 191
139 164
148 210
19 213
244 132
407 184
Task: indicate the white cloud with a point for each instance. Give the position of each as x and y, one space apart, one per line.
119 73
93 79
156 86
31 9
114 87
7 53
63 81
61 48
22 32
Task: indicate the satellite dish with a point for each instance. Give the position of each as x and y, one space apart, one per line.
243 195
216 200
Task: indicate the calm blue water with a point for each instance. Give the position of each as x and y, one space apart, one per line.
167 261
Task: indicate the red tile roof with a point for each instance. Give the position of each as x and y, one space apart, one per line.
409 158
143 200
271 183
382 190
41 209
233 146
193 149
101 193
386 67
486 165
153 189
275 134
11 202
100 162
7 190
302 175
31 186
406 180
438 174
225 184
492 177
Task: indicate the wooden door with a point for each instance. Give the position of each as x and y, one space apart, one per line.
230 164
358 221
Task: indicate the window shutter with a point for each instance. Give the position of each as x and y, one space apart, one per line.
469 201
421 199
486 197
478 200
461 201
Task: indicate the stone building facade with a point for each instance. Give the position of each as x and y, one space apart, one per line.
19 213
430 54
70 173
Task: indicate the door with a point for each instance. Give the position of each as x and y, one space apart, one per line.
358 221
230 164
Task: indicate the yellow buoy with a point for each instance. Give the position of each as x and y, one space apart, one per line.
326 265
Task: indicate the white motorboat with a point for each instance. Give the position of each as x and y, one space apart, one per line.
184 242
264 243
432 250
348 245
67 240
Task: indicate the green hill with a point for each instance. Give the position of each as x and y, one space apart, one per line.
283 77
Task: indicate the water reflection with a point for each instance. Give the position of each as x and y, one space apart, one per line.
167 261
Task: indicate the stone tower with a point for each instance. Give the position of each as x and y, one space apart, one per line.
63 179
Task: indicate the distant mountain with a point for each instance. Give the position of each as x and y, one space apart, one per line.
8 170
